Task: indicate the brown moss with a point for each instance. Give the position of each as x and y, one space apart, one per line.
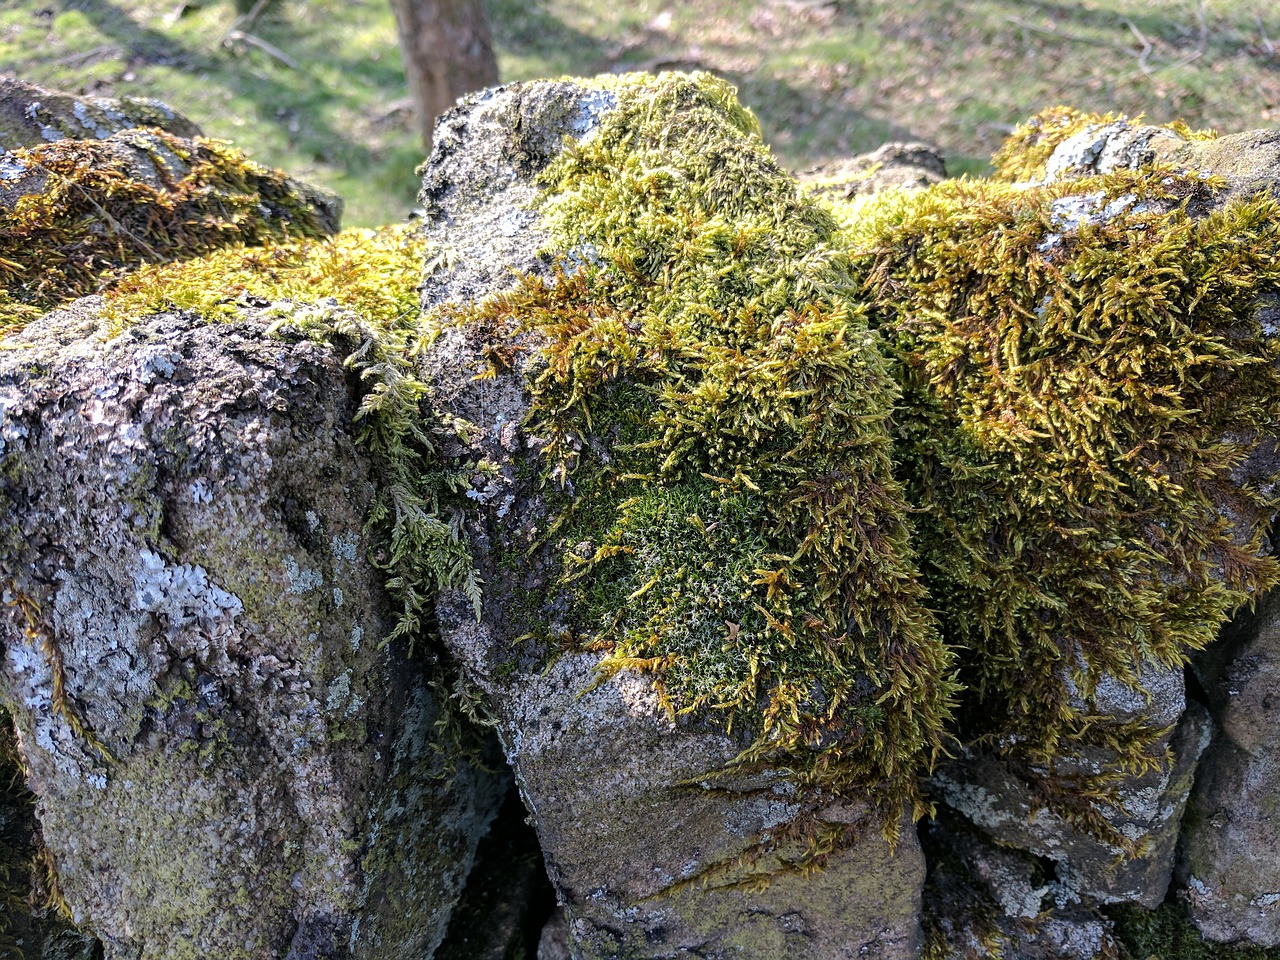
82 211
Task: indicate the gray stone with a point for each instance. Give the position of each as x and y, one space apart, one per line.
993 794
1229 863
31 115
652 853
985 900
892 166
1103 148
30 927
227 761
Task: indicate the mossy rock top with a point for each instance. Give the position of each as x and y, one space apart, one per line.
31 116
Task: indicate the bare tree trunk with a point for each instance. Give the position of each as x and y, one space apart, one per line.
447 52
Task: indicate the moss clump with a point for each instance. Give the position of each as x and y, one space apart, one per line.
717 405
88 209
1166 934
1025 152
1083 373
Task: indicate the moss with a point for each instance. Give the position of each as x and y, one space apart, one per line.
742 540
1024 153
1166 934
83 215
358 288
1083 370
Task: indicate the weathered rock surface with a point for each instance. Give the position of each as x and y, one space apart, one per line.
630 813
1248 161
1229 861
984 900
991 793
227 761
31 115
30 929
892 166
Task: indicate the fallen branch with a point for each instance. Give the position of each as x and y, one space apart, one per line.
269 49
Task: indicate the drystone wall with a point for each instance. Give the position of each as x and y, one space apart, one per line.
874 565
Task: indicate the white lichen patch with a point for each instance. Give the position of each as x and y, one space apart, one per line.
182 592
301 579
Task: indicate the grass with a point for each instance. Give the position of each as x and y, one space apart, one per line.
826 77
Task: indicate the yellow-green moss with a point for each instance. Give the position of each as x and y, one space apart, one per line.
358 289
90 218
1083 370
742 539
1024 153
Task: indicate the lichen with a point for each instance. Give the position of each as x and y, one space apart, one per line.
715 409
1022 157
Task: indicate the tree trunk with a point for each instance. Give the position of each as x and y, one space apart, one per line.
447 52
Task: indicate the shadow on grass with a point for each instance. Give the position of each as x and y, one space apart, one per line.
279 95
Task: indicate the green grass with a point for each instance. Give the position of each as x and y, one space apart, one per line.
825 79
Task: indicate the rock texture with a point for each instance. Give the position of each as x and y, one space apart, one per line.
992 794
1230 856
892 166
226 759
30 927
651 852
986 900
31 115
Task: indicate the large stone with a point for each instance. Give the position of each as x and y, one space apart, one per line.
986 900
1148 810
654 850
1229 861
31 115
227 760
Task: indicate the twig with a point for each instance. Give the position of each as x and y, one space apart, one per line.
1073 37
1266 41
267 48
246 20
1146 45
1204 27
1180 62
119 228
84 55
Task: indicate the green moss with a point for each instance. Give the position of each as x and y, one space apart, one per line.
1082 371
89 218
1166 934
1023 156
743 539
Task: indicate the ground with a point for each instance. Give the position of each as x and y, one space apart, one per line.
826 77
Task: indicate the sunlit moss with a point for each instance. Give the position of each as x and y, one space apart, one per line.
1024 153
82 215
716 400
1084 370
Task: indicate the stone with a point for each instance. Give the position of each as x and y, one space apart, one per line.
1229 861
30 926
31 115
227 759
892 166
986 900
994 795
655 846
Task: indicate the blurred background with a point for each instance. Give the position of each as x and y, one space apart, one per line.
317 86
